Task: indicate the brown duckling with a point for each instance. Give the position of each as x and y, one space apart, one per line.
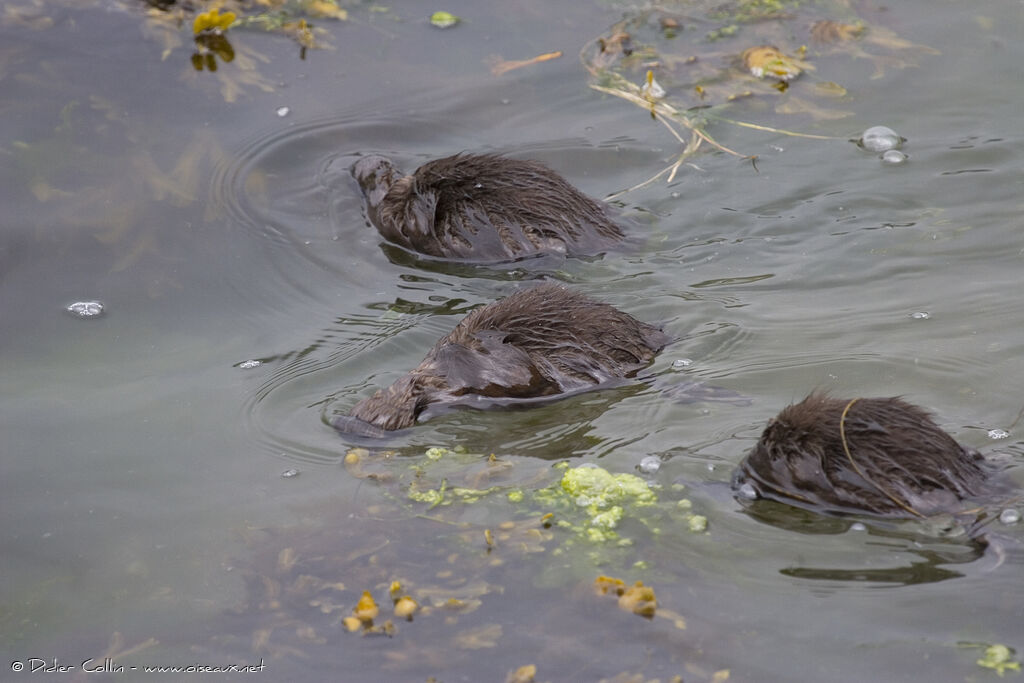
541 342
880 456
483 208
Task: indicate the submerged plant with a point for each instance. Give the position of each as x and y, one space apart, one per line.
687 68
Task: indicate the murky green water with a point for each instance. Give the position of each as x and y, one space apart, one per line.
142 490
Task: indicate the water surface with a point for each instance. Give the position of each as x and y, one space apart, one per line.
142 487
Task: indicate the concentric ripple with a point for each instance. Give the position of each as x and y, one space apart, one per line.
343 312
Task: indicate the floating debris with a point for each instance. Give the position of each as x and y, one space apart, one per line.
590 485
920 315
86 309
998 657
1009 516
366 609
609 584
997 434
651 89
249 364
405 607
501 66
680 363
212 22
283 111
697 523
289 473
765 60
444 19
638 598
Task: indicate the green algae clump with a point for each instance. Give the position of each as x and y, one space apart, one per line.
604 495
999 658
598 489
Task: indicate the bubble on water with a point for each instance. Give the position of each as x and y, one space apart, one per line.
650 464
880 139
680 363
894 156
86 309
283 111
288 474
249 364
858 526
920 315
996 434
748 491
1009 516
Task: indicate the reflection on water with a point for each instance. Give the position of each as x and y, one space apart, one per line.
138 445
940 542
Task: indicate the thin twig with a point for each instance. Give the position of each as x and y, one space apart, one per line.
769 129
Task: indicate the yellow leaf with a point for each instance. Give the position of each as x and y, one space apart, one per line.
639 599
406 607
212 21
366 609
608 584
765 60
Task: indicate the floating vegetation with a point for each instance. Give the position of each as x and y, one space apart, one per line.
212 21
637 599
74 174
405 607
542 524
444 19
688 67
997 657
524 674
501 66
204 25
210 46
588 501
767 61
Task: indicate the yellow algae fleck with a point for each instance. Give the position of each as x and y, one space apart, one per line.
524 674
639 599
406 607
366 609
608 584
